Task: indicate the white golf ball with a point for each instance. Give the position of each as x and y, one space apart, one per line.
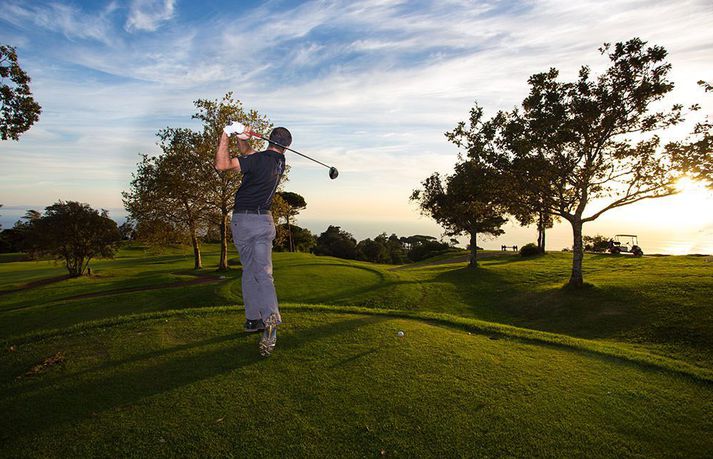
400 333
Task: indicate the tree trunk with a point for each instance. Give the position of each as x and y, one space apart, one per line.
541 232
473 263
198 263
74 267
223 264
289 234
577 280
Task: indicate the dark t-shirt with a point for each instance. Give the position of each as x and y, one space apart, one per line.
261 174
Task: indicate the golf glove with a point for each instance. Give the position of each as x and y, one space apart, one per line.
234 128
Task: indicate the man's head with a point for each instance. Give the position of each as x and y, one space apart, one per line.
280 136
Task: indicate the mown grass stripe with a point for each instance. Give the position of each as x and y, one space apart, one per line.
609 350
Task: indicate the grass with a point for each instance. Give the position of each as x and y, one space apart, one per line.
343 384
496 361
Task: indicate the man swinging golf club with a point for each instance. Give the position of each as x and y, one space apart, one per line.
252 224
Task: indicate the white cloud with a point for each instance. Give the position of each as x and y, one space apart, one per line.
147 15
57 17
369 87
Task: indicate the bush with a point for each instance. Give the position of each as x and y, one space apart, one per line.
427 249
529 250
596 243
336 243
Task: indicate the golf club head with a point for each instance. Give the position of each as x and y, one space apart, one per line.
333 173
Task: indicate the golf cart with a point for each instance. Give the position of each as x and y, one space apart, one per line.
625 243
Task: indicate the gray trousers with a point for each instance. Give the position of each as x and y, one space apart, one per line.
253 235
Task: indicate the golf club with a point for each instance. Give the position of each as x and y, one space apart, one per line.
239 128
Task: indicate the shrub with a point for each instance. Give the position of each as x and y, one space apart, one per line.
596 243
529 250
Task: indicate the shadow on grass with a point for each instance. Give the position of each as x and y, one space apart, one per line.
78 396
35 284
589 312
379 273
58 314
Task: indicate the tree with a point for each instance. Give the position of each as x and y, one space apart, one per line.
335 242
295 203
479 138
221 187
18 109
596 243
694 156
374 251
571 143
467 203
396 250
76 233
171 187
302 239
160 233
20 236
127 230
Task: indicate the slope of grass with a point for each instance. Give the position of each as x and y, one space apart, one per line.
659 302
189 384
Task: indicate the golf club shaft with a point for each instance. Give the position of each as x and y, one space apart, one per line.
255 134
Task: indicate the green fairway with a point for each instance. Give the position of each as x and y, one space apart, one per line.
341 384
496 361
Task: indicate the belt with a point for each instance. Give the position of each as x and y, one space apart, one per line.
252 211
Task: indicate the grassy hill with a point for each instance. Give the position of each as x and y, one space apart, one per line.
147 358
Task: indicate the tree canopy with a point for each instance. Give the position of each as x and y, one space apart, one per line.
467 202
76 233
595 139
694 156
336 242
18 109
171 187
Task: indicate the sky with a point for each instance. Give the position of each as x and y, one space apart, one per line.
367 86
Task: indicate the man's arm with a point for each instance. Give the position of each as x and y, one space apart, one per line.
223 161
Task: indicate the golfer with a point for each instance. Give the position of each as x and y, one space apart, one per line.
253 227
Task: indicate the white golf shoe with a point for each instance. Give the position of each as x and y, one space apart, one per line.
269 335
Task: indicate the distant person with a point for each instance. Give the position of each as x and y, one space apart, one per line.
254 229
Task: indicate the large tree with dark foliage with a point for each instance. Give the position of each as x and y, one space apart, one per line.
18 109
75 233
479 139
585 130
591 140
294 203
172 188
336 243
302 239
467 202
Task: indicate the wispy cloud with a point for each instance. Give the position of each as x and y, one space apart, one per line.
68 20
368 86
148 15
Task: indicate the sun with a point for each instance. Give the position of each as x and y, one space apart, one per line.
692 202
688 186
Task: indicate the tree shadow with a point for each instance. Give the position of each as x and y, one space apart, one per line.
77 396
35 284
590 312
